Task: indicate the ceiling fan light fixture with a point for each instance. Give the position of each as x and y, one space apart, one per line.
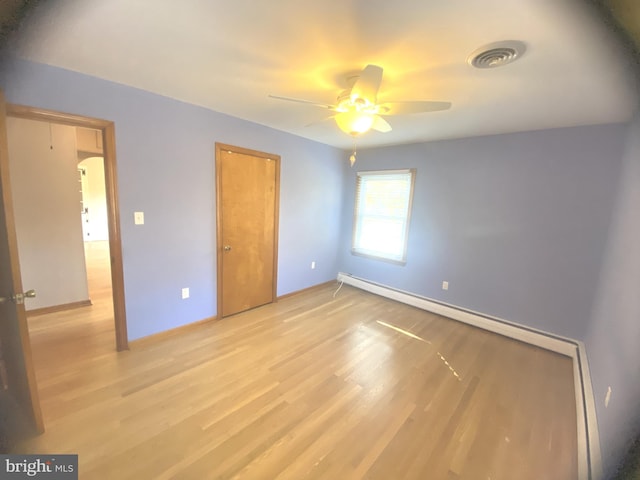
354 122
357 109
496 54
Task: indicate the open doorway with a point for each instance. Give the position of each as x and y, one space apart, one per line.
48 204
19 383
81 263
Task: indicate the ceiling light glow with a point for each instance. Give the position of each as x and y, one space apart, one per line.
354 122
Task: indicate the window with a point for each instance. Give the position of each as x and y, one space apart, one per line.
381 217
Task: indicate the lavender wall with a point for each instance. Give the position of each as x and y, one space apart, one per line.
613 334
515 223
165 154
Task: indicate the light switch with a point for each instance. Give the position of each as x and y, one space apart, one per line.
138 218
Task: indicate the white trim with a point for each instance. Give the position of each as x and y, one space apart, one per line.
384 172
583 443
589 409
589 459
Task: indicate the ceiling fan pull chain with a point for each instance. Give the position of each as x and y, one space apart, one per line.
352 158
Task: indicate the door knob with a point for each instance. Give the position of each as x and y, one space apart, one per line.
227 248
18 298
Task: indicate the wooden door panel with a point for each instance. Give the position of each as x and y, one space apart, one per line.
247 228
14 333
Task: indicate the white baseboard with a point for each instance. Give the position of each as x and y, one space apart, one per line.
589 460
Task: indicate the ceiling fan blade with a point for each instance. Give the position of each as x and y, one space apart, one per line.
405 108
368 83
322 120
308 102
380 124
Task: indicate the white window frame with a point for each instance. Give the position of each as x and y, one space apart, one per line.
366 248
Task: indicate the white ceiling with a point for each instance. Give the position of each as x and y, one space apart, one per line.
229 55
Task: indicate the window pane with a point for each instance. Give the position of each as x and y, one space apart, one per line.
383 236
381 213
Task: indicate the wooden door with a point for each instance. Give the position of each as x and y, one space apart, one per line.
14 333
247 184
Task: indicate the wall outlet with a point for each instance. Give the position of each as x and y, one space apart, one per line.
313 265
185 293
445 285
607 397
138 218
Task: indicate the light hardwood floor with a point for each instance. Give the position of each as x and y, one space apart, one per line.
309 387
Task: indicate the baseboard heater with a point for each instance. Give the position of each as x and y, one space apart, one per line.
589 460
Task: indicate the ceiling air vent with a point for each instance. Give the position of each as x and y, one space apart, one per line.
496 54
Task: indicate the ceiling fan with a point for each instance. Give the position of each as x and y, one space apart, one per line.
357 110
